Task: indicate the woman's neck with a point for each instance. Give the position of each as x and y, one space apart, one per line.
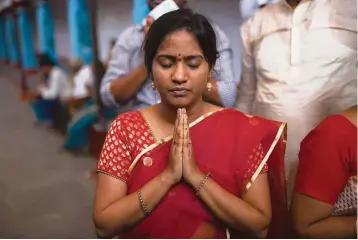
169 114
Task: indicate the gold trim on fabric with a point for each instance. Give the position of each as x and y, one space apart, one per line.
168 138
111 175
150 128
264 161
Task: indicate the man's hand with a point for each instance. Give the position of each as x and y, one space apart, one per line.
149 22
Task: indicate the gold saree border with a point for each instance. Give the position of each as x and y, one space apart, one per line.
168 138
111 175
281 131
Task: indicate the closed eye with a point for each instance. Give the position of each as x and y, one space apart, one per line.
193 66
168 61
194 61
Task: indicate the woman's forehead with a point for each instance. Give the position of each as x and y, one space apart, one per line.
180 42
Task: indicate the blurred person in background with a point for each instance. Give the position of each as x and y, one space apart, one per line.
299 66
83 81
127 79
249 7
110 51
54 89
325 196
78 130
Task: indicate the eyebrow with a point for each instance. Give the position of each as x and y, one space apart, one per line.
186 58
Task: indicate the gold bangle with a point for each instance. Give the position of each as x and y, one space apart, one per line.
144 207
202 183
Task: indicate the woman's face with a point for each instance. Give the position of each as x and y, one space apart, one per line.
179 70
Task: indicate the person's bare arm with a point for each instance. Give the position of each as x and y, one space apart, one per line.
251 214
115 211
121 83
125 87
313 219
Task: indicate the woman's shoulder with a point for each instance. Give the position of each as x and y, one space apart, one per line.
236 115
128 118
333 128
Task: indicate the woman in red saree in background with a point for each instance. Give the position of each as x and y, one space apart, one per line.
185 168
325 196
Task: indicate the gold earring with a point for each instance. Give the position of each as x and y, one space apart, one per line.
209 85
152 85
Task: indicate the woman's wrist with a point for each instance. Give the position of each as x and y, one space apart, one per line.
196 178
167 179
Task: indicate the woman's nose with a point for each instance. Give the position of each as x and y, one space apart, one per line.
179 74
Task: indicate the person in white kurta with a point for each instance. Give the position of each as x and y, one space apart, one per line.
83 82
57 87
249 7
299 66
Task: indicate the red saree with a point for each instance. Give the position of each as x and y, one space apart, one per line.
234 147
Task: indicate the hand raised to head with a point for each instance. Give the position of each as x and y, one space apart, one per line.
149 22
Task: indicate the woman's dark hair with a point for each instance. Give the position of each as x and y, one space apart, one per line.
182 19
45 60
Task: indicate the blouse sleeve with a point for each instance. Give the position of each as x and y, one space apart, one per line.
254 163
115 158
322 171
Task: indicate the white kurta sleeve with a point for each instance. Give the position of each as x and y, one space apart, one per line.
248 83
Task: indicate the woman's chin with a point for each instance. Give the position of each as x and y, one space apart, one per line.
180 103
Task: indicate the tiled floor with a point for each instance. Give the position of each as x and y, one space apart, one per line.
42 194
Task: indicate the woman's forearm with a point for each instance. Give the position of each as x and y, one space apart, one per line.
127 211
232 210
333 227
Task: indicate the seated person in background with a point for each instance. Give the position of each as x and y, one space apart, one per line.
157 178
127 79
325 196
77 136
54 88
82 82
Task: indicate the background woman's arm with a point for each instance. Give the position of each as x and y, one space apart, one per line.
313 219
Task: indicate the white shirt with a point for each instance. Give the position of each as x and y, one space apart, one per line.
249 7
82 80
299 66
58 85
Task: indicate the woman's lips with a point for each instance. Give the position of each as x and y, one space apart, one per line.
179 92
